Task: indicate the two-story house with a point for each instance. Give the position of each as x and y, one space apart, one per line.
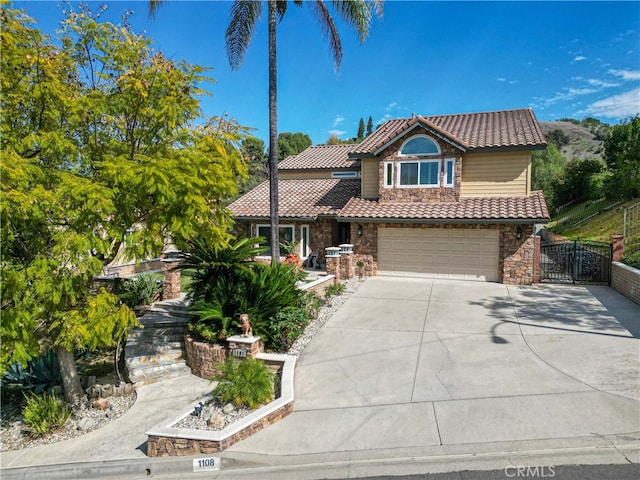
444 196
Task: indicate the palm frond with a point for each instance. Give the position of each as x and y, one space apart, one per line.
329 30
154 5
358 14
244 18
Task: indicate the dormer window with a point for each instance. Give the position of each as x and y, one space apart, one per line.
418 146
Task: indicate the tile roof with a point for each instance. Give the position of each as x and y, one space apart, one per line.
298 198
321 156
472 131
496 209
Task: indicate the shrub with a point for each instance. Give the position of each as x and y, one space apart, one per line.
335 289
633 260
44 413
287 325
40 375
211 324
140 290
247 382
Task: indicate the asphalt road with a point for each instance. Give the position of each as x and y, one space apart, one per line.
567 472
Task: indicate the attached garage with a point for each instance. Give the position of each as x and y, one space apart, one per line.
457 253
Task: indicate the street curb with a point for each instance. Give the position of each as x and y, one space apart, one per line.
323 466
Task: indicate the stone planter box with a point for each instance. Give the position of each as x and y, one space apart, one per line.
164 440
202 357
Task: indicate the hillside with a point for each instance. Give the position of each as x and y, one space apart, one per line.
602 226
582 143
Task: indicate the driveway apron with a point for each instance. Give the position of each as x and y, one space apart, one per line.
409 362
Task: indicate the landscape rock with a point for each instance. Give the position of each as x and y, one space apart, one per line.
228 408
100 404
86 423
216 421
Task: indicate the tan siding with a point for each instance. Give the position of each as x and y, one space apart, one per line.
496 174
370 177
302 174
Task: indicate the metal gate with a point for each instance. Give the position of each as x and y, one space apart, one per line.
577 261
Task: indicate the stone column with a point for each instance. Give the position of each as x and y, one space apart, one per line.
170 279
346 265
618 247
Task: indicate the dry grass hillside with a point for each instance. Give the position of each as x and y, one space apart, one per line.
582 142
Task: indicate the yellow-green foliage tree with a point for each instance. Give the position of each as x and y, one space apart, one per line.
100 134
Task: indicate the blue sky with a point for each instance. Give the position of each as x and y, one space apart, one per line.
563 59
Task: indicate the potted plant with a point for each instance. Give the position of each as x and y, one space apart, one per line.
360 265
292 256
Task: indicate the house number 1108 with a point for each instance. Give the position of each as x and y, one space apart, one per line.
206 464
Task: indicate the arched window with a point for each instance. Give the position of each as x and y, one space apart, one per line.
419 145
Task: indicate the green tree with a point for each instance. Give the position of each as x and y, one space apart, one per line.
97 138
369 126
547 168
577 181
253 151
360 134
292 144
622 154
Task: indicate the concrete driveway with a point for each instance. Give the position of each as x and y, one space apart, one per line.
412 364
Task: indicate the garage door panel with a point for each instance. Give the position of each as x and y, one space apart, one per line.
439 253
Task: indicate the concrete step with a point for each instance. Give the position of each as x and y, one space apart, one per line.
151 358
156 373
159 338
145 350
159 321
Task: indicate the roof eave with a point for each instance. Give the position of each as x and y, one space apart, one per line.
486 221
516 148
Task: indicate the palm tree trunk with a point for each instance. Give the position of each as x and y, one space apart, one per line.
273 137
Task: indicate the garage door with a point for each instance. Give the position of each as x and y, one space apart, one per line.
444 253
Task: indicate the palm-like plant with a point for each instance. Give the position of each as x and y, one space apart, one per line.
244 18
211 262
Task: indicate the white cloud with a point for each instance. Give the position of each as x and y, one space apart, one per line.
382 120
337 133
569 94
618 106
579 58
626 74
391 106
501 79
602 84
338 120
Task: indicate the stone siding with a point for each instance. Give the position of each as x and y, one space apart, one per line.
319 286
438 194
516 258
626 280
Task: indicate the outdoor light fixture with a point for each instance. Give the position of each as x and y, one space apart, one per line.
519 232
359 230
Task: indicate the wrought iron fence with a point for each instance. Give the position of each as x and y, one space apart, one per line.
577 261
631 228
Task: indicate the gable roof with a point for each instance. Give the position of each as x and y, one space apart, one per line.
298 199
321 157
467 210
506 129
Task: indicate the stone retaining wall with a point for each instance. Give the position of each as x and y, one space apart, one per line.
318 286
626 280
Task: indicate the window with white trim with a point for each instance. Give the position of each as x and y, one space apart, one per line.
287 234
449 172
388 174
304 241
423 173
